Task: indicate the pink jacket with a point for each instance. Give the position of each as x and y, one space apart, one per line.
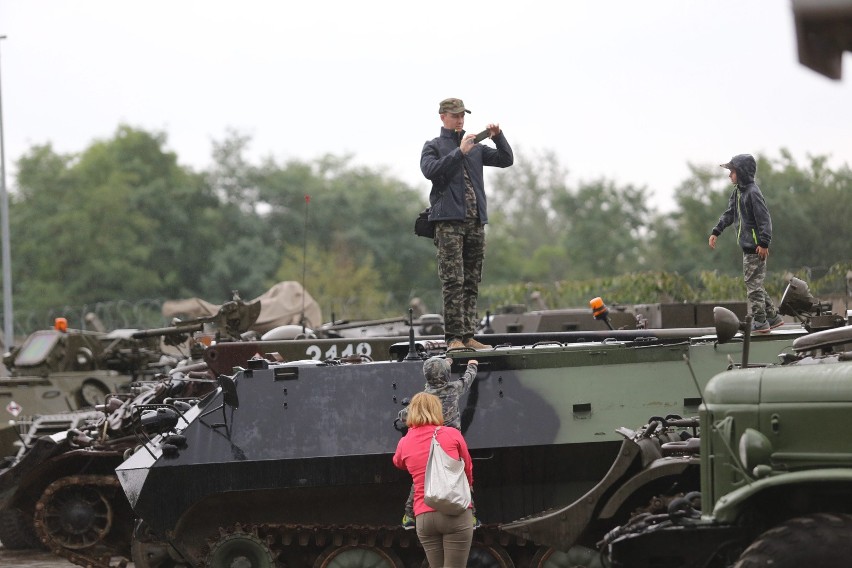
412 452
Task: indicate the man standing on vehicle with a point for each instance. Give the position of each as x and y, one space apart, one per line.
453 162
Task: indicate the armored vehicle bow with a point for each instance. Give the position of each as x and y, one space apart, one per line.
61 493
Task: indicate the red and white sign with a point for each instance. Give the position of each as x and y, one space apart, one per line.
13 408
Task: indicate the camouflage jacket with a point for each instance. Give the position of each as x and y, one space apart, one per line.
450 392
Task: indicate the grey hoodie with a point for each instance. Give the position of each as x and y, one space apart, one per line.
747 207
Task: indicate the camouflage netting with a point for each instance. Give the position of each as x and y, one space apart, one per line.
283 304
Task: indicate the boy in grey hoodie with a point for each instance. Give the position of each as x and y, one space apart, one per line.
437 372
748 209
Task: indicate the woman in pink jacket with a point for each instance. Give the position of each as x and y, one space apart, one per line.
445 538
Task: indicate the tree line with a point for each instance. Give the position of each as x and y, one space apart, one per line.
124 220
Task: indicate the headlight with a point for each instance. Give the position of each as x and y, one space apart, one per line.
755 449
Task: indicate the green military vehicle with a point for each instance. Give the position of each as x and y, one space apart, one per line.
763 476
60 370
557 395
291 460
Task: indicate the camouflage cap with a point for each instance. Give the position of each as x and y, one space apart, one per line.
452 106
437 371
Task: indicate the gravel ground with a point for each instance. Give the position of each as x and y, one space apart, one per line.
32 559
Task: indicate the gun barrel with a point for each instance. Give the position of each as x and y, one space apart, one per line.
173 330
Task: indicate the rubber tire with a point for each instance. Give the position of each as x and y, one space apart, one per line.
357 555
821 539
488 556
89 388
549 558
17 532
576 557
484 556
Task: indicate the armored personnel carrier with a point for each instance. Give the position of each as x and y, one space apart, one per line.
288 463
672 315
379 340
58 489
60 370
61 492
31 470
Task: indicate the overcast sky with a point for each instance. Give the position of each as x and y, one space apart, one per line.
626 90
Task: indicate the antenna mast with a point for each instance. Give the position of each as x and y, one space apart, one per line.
304 260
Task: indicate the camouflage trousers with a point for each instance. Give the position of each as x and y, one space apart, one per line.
754 273
461 250
409 503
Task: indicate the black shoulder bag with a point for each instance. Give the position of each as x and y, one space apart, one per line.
423 227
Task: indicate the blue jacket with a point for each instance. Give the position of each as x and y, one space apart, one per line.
747 207
441 162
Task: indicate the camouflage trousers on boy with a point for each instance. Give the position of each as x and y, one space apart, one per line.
409 504
461 250
754 273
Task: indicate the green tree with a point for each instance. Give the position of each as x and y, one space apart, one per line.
347 285
77 244
810 208
677 241
604 229
121 220
172 204
246 254
523 223
545 230
353 209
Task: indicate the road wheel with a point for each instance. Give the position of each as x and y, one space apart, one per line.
549 558
357 556
577 557
821 539
17 531
485 556
488 556
92 393
75 515
240 550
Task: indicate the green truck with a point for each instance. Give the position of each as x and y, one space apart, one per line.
762 477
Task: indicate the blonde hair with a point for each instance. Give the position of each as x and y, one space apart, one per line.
424 409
